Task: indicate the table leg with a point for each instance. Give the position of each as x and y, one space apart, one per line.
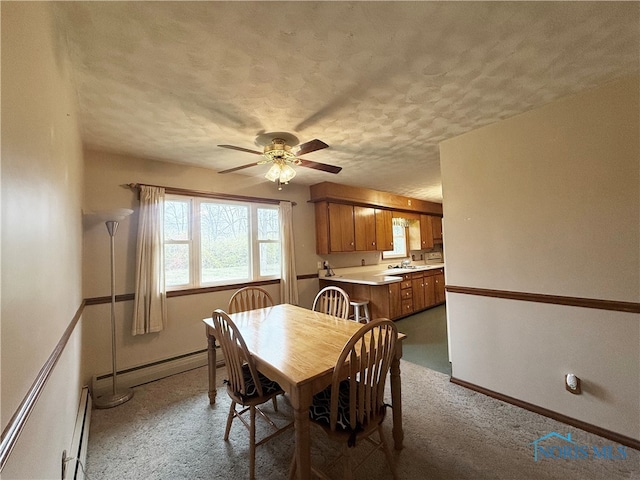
396 399
211 354
302 434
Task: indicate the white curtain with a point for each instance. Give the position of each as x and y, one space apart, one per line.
150 311
288 277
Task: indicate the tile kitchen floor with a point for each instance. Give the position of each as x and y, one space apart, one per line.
426 342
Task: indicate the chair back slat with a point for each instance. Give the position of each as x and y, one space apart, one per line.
333 301
249 298
236 354
367 358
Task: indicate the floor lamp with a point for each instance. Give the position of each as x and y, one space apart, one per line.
114 398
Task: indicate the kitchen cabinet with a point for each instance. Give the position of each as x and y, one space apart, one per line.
428 289
436 226
341 228
406 293
439 286
364 219
384 229
385 301
426 231
351 228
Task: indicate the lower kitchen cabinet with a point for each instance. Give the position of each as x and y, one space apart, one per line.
416 292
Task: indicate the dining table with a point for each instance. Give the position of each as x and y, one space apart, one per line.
298 348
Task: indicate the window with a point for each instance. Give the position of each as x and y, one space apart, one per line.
399 241
216 242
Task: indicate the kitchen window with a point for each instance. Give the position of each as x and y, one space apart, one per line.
399 240
216 242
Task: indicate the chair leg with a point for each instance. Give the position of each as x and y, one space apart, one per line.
275 403
252 444
387 453
232 413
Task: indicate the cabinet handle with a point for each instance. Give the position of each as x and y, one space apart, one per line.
373 243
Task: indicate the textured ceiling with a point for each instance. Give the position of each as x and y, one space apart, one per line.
381 82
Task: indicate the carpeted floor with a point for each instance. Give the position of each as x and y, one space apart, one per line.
168 431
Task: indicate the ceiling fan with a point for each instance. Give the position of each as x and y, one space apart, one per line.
282 150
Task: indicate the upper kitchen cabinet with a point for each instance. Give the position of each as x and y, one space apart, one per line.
352 228
436 226
350 219
364 220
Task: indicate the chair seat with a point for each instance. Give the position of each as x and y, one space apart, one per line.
320 409
268 386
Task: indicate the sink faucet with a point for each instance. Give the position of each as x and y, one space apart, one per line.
405 263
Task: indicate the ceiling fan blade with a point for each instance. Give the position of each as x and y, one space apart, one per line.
241 167
233 147
319 166
311 146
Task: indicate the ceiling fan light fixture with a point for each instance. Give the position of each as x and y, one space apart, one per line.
278 150
274 173
287 173
280 172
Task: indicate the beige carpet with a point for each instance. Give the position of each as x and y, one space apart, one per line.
169 431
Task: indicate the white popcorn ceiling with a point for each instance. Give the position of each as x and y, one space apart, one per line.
381 82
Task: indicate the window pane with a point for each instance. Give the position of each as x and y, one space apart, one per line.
399 243
269 259
268 225
176 220
176 264
224 245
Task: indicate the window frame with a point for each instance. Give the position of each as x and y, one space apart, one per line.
194 241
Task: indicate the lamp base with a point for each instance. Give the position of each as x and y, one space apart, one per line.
109 400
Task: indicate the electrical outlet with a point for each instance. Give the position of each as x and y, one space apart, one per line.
319 265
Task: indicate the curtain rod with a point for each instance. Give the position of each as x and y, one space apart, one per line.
201 193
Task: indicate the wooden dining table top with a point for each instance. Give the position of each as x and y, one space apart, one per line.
300 344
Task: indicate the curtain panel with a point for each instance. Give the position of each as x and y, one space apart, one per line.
288 277
150 310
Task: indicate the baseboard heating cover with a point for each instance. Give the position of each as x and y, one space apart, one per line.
133 377
80 439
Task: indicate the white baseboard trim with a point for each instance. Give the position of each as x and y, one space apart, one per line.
149 373
80 441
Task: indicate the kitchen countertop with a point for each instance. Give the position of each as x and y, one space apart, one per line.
378 277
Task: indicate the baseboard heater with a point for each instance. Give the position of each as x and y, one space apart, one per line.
132 377
80 441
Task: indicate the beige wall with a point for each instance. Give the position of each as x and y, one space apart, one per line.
549 202
41 236
105 173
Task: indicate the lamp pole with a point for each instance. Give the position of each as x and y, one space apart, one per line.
115 398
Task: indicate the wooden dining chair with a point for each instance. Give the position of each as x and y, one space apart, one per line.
332 300
351 410
249 298
245 385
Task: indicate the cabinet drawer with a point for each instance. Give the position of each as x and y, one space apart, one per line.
407 306
406 293
417 275
405 284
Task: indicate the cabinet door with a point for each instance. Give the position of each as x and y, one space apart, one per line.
429 290
384 230
365 228
439 287
341 228
426 231
436 225
395 300
418 294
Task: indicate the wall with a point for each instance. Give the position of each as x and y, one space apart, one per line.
549 202
41 236
105 175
